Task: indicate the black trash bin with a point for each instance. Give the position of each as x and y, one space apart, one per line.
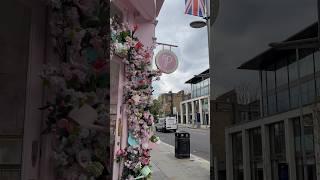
182 144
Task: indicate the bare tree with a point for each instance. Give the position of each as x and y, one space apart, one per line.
246 93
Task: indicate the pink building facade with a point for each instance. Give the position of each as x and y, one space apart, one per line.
142 13
25 153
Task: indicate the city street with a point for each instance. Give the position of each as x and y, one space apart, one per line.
199 141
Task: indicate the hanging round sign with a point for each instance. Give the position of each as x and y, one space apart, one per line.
166 61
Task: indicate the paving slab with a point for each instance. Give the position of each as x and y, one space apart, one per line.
166 166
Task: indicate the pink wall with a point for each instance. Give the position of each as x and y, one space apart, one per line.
142 13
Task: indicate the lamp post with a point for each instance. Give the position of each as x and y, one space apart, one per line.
212 10
171 103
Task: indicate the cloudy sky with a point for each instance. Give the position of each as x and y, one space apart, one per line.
192 53
242 30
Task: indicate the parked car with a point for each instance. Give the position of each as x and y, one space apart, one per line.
167 123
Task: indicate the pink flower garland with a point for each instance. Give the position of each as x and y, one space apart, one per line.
137 98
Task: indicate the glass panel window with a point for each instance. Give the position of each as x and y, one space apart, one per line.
265 105
277 150
308 146
306 65
293 72
277 140
264 81
317 60
237 156
271 80
318 85
272 104
308 92
282 76
256 154
294 97
283 100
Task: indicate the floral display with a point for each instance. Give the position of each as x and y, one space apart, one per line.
137 98
77 79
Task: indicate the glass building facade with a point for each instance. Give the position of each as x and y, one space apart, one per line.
287 130
201 88
280 82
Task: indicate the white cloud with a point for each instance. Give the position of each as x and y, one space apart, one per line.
192 53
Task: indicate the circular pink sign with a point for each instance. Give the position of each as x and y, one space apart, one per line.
167 61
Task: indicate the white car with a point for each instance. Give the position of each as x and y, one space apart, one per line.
167 123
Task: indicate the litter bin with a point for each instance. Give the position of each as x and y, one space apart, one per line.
182 144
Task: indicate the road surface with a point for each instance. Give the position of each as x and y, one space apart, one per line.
199 141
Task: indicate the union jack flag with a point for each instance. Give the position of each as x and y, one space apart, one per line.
195 7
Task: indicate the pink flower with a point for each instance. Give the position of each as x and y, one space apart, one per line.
135 27
139 45
145 161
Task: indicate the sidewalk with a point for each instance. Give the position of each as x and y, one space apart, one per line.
166 167
191 126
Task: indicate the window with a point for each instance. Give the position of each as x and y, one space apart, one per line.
318 85
282 75
264 81
237 156
294 97
277 140
308 145
272 107
306 65
271 84
283 100
264 92
307 92
317 60
256 154
293 73
277 150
